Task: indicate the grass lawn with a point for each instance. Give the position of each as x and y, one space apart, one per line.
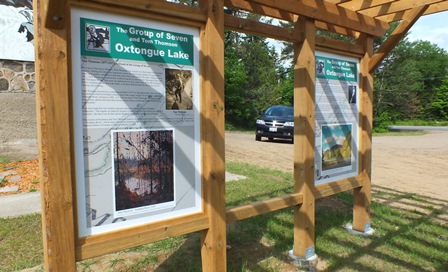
405 238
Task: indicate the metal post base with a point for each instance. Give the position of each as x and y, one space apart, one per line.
303 264
368 231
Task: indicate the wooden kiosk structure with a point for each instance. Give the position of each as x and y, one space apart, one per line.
361 20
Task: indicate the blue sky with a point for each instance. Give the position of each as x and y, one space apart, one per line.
432 28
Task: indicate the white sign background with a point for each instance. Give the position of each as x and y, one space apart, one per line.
93 147
337 109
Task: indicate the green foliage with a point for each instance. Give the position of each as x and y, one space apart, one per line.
286 89
421 122
439 105
251 77
408 84
405 239
382 122
398 92
4 159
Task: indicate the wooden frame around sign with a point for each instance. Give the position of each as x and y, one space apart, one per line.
55 131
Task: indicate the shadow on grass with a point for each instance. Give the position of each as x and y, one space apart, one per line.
411 234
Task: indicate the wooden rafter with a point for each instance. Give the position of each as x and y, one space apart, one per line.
434 8
329 13
286 34
345 17
337 1
284 15
260 29
358 5
396 6
396 36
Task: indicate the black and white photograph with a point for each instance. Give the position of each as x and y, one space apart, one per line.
179 89
352 94
97 38
320 67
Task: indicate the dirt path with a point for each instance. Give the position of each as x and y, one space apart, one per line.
413 164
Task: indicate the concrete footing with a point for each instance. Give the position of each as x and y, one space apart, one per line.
303 264
368 232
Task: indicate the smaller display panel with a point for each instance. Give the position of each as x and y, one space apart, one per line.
337 114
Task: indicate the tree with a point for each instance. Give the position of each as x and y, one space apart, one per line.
235 82
439 106
397 92
251 75
407 81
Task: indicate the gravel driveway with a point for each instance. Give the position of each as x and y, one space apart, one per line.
413 164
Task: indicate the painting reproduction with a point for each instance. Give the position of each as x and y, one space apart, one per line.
143 168
336 146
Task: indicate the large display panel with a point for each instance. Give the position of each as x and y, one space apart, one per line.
136 120
337 115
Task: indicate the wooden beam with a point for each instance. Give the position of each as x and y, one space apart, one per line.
330 13
358 5
304 117
336 29
362 195
53 130
260 29
213 250
327 44
396 6
284 15
54 12
434 8
336 1
256 8
261 207
438 7
160 7
339 186
98 245
396 36
284 34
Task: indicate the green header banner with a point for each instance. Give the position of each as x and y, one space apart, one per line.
120 41
337 69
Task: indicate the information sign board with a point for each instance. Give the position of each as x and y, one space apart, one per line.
136 120
337 115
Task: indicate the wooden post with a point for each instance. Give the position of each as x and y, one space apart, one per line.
361 197
212 134
53 126
304 107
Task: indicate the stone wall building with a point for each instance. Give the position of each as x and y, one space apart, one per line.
18 133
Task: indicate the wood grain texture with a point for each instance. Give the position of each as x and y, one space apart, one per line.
94 246
261 207
213 239
362 195
304 116
396 36
53 125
